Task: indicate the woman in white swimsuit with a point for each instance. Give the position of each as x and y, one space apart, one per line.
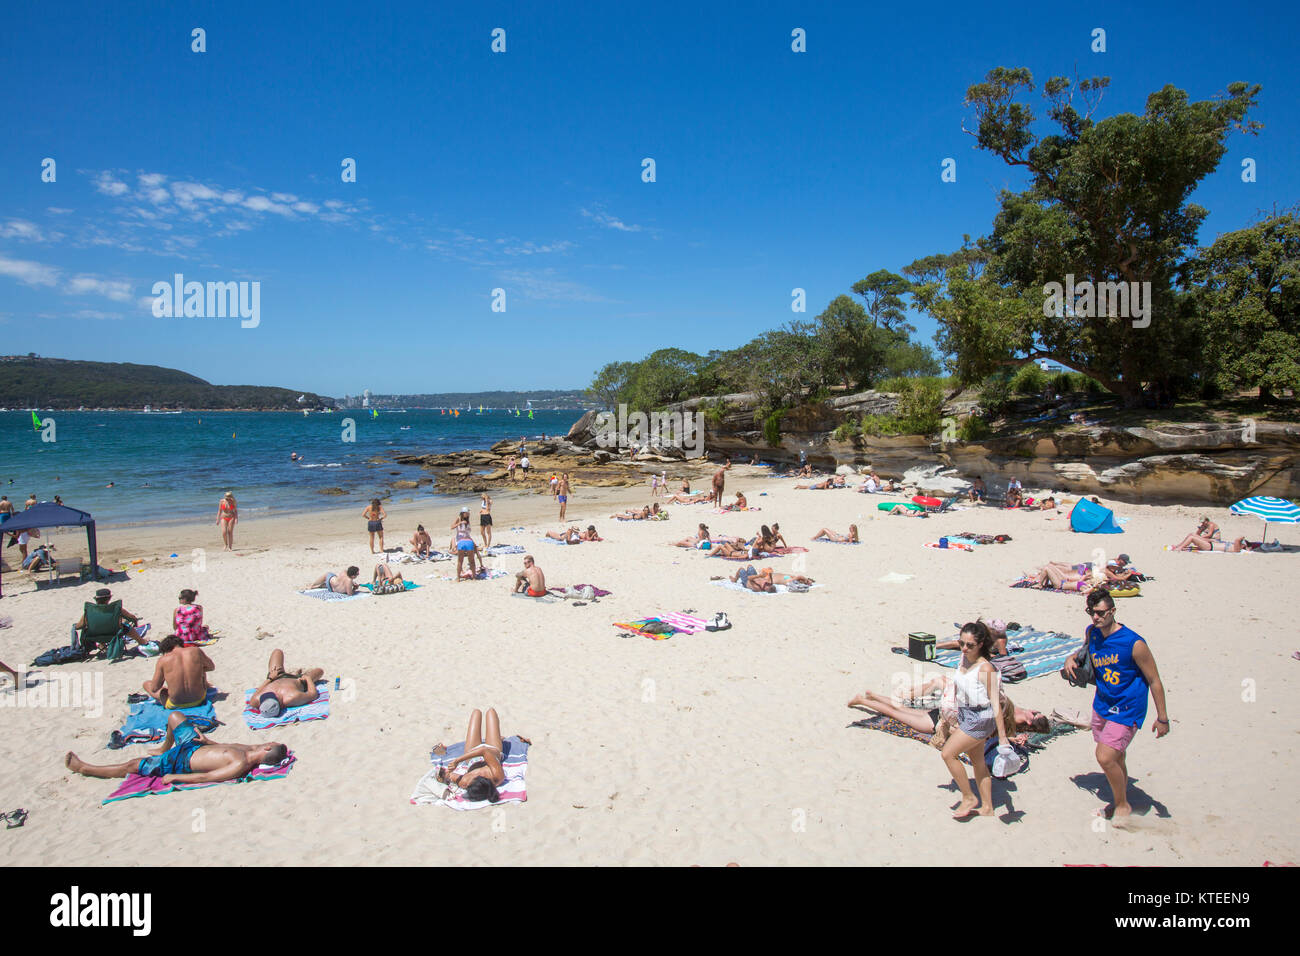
974 688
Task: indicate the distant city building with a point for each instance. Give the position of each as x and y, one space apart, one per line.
365 399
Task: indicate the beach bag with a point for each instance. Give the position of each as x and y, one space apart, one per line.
71 654
1005 761
387 587
657 627
1084 674
798 587
1009 669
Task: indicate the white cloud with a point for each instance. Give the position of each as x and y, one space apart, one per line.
91 285
107 184
23 230
602 218
96 314
57 210
546 285
28 273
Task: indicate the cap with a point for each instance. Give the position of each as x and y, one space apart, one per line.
464 511
268 705
103 593
1124 558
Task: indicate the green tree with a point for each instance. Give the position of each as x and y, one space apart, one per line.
1248 296
882 292
1107 202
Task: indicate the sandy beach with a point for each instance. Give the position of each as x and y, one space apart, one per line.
705 748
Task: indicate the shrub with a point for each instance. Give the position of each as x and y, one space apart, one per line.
1028 380
772 427
846 431
973 428
920 405
995 394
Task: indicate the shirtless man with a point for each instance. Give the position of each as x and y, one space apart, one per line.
530 580
345 583
283 689
719 482
188 756
179 675
562 494
766 579
6 508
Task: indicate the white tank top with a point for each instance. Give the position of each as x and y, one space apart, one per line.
971 694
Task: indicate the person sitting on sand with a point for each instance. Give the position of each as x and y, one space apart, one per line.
421 542
1046 504
386 574
767 539
698 540
740 505
1015 497
829 535
976 686
1196 542
179 675
978 491
187 620
870 486
477 773
283 689
530 580
188 756
1208 529
830 481
344 583
1119 573
777 536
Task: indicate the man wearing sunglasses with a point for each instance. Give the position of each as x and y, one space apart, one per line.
1126 673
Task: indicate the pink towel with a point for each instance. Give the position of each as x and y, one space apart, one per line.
137 786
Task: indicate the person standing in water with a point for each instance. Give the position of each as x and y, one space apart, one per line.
485 520
227 517
375 515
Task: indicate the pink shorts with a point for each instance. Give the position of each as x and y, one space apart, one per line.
1113 735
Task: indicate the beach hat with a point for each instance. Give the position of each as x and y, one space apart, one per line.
103 593
268 705
1125 558
464 510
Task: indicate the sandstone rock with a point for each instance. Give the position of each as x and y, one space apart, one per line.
405 483
330 491
459 472
583 430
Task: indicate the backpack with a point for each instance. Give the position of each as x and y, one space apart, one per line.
60 655
1009 669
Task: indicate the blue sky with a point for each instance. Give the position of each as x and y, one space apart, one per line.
522 170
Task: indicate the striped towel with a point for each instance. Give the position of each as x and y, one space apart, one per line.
323 594
147 720
318 709
737 586
681 624
137 786
1043 652
514 761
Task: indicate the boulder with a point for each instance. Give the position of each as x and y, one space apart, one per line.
583 431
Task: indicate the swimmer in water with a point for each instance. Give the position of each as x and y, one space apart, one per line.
109 485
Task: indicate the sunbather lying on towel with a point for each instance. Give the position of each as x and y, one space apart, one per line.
179 674
530 580
187 756
905 511
767 579
638 514
385 574
283 689
477 772
1063 577
1197 542
687 499
574 536
738 548
997 631
697 540
1025 721
344 583
831 481
829 535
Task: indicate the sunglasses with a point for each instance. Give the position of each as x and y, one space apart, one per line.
968 644
1100 611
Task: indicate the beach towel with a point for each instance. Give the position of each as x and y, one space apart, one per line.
1042 652
891 726
410 586
147 720
484 574
599 592
318 709
137 786
737 586
499 549
514 761
324 594
680 624
953 545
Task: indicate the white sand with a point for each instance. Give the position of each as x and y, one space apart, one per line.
699 749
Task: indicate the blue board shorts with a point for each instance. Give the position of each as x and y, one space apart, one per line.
176 759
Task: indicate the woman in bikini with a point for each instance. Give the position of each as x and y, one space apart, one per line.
421 542
485 520
375 515
697 540
1198 542
227 516
476 773
829 535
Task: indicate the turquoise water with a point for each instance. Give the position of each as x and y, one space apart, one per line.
175 467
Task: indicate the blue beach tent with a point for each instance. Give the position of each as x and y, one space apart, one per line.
49 515
1093 519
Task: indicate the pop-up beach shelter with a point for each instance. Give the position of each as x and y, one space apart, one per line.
49 515
1093 519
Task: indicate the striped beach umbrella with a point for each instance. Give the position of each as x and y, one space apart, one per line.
1270 509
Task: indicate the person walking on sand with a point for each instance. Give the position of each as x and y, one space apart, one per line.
485 520
523 466
227 518
1126 672
375 515
975 686
719 482
510 468
562 494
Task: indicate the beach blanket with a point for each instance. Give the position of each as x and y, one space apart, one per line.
600 592
680 623
514 761
410 586
318 709
323 594
147 720
499 549
953 545
484 574
137 786
891 726
1042 652
737 586
410 557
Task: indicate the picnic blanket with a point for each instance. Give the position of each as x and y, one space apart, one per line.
499 549
324 594
1043 652
318 709
680 624
137 786
147 720
514 761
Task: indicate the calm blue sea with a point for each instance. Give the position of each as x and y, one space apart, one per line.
169 468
